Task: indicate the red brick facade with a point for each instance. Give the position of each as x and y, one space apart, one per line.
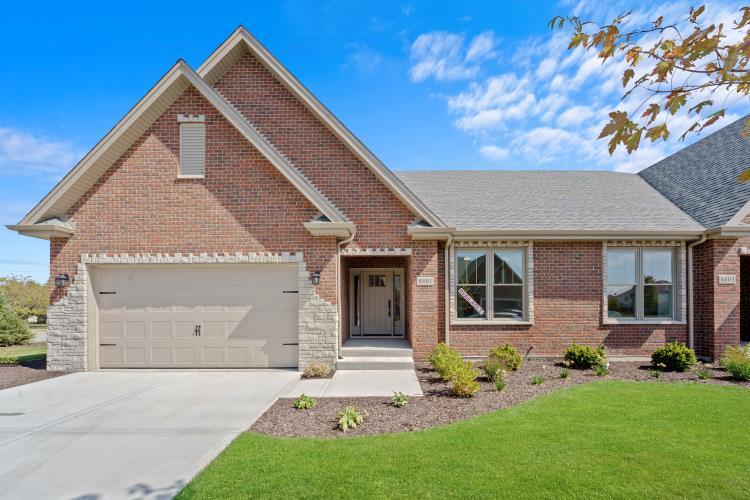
245 205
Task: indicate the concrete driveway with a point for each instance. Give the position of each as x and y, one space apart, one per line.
124 434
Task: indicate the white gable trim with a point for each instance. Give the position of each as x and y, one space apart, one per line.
137 120
212 69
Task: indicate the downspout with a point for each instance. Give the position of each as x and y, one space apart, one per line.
691 331
447 290
339 332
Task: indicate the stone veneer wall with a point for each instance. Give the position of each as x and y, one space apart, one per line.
67 318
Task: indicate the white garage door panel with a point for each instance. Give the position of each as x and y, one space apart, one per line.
244 316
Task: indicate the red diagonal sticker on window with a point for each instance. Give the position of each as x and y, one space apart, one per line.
463 293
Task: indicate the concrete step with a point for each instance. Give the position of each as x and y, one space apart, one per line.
376 352
375 363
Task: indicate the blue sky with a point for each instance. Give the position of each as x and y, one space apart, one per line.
426 85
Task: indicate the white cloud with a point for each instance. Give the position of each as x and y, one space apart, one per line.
442 55
494 153
482 47
23 153
364 60
548 104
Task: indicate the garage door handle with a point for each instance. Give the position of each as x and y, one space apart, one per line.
290 291
290 343
107 293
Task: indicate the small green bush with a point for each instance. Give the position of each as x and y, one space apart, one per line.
317 370
537 380
675 357
350 418
583 356
399 399
564 373
655 373
13 329
500 383
702 374
305 402
444 361
508 355
601 370
736 361
464 379
493 368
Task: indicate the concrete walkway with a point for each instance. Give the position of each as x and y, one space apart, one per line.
104 435
359 383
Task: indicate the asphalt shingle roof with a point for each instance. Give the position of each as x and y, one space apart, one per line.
702 178
546 200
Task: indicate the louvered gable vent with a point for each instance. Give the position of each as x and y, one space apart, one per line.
192 146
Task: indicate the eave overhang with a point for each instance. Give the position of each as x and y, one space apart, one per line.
334 229
442 234
44 230
738 231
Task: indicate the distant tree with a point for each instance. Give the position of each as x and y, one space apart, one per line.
668 65
13 330
25 297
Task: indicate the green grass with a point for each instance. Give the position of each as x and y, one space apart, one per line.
605 439
20 353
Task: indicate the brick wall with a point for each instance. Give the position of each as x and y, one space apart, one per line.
567 306
717 307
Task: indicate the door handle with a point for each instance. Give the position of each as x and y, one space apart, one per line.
389 308
197 331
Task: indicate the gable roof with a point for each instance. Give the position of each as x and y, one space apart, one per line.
701 179
552 202
134 124
241 42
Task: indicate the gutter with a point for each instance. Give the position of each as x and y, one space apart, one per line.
447 287
339 330
690 280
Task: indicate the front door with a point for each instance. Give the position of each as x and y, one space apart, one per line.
377 303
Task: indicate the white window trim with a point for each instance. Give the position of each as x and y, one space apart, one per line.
528 282
679 275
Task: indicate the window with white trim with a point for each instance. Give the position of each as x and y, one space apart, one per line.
640 283
490 284
192 149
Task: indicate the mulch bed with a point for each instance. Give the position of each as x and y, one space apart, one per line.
26 373
438 406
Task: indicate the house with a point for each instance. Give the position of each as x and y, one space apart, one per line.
230 220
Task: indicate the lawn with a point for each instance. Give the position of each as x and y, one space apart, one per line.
605 439
20 353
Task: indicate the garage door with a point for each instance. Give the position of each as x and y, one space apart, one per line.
187 317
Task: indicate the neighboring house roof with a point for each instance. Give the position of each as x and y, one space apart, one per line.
551 201
131 127
702 178
242 41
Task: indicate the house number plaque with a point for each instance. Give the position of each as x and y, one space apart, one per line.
727 279
425 281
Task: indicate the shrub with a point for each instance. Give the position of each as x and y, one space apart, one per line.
674 356
399 399
350 418
316 370
508 355
464 379
500 383
655 373
537 380
736 361
564 373
702 374
493 368
601 370
444 361
305 402
583 356
13 330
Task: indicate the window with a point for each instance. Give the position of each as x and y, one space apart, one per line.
500 284
376 280
640 283
192 149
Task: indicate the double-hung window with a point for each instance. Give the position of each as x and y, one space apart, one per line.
490 284
640 283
